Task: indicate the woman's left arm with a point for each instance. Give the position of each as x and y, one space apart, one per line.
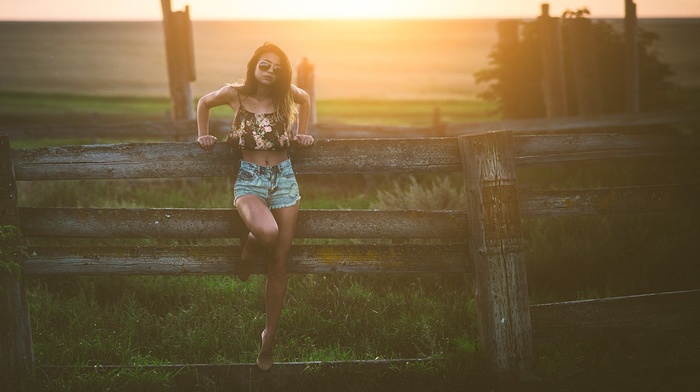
302 98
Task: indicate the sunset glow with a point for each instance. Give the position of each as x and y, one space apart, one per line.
313 9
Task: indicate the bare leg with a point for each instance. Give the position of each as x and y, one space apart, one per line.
272 230
263 232
276 286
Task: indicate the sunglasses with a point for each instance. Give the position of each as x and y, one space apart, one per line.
265 66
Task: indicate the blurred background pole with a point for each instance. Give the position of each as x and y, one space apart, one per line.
631 59
553 85
179 51
508 44
305 81
584 66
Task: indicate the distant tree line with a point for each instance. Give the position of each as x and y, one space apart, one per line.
513 78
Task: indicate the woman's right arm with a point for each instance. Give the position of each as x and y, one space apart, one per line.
223 96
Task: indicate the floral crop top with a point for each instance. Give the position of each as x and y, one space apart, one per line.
259 131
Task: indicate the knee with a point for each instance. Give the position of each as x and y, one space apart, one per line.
268 236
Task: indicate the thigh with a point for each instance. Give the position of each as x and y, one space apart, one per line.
257 217
286 219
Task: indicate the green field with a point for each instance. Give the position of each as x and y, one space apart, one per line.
171 320
23 108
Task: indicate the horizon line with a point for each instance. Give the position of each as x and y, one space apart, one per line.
339 19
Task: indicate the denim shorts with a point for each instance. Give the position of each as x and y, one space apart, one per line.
275 185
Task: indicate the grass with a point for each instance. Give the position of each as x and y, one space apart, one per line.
414 112
147 320
23 107
610 255
48 104
171 320
26 107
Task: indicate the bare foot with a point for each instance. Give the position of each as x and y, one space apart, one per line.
265 360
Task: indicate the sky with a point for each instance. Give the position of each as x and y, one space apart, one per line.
100 10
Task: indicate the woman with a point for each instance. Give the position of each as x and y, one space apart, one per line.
266 193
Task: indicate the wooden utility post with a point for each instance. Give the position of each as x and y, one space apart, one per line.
631 58
16 352
179 51
553 83
305 81
508 46
584 66
497 249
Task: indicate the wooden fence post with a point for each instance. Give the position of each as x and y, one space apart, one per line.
179 51
439 127
497 249
631 59
16 352
305 81
553 83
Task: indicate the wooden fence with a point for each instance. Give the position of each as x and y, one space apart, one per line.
490 229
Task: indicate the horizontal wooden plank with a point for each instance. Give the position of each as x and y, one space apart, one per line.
156 160
660 312
163 160
530 149
130 223
546 204
379 156
221 260
226 223
127 160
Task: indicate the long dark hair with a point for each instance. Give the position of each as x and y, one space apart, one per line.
281 89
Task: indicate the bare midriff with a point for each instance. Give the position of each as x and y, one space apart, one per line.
264 158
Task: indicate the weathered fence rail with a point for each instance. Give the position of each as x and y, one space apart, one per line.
486 238
173 160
